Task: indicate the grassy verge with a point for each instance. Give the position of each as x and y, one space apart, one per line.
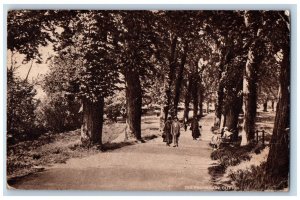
256 179
32 156
28 157
227 156
244 168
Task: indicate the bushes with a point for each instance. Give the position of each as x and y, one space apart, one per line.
20 108
58 113
28 118
231 156
246 176
256 179
115 106
227 156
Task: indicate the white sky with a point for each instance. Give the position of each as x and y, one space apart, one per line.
37 70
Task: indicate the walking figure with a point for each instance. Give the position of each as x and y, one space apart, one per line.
175 131
195 129
185 125
167 135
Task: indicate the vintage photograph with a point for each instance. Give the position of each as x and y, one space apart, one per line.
148 100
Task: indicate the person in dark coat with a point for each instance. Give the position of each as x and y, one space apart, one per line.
175 131
167 135
195 129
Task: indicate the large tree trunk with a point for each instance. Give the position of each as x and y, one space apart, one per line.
207 107
220 97
179 81
272 105
265 105
195 103
233 108
195 84
171 76
231 116
92 122
134 104
249 98
187 99
200 101
279 155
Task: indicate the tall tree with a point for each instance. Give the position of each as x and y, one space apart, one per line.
182 28
234 60
178 84
256 53
278 158
84 64
228 40
135 51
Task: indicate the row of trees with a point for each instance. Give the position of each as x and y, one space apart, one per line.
167 57
254 47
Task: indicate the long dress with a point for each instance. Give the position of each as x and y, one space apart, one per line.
195 129
167 132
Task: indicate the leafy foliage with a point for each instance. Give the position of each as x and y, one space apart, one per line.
26 32
84 66
115 106
20 106
58 113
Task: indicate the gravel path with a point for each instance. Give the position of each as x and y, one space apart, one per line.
146 166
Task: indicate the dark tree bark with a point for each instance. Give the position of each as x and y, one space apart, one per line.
195 102
187 99
250 92
220 92
195 85
92 121
200 101
233 109
278 159
250 95
171 76
232 114
232 118
207 107
265 105
273 105
133 103
179 81
220 97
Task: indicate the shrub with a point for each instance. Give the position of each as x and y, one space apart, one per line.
20 107
257 179
231 156
58 113
115 106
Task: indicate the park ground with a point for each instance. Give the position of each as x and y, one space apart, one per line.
59 162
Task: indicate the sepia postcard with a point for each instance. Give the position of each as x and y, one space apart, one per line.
148 100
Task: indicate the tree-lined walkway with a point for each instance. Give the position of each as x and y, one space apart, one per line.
145 166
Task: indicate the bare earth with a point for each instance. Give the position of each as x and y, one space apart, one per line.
146 166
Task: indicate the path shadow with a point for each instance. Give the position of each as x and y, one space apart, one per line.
18 179
110 146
